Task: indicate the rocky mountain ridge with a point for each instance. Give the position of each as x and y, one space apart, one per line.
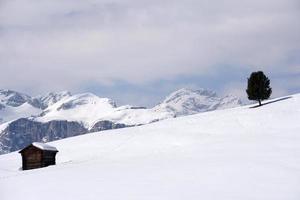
59 115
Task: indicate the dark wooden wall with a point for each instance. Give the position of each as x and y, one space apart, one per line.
48 158
33 157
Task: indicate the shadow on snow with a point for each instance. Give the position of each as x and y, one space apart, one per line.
263 104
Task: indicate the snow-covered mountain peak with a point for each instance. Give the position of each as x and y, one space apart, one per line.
188 93
51 98
85 107
84 99
14 105
187 101
13 98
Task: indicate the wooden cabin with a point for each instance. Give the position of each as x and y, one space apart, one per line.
38 155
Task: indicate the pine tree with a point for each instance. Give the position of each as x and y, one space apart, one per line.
258 87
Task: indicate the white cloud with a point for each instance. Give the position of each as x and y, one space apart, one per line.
62 43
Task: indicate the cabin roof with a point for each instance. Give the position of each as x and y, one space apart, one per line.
42 146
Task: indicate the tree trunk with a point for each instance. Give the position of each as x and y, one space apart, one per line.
259 101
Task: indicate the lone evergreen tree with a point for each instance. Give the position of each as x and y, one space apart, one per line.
258 87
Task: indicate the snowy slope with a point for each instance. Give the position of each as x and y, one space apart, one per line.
10 113
187 102
135 116
14 105
233 154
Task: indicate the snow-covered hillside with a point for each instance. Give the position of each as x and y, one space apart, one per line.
9 113
233 154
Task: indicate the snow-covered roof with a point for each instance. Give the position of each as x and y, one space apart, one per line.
44 146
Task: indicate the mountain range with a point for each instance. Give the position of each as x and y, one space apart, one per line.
25 119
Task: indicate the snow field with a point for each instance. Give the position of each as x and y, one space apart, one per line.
240 153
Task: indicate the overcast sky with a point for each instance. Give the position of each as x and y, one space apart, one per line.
137 51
